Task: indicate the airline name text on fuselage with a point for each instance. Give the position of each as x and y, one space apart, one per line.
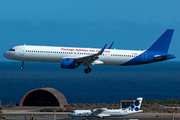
82 50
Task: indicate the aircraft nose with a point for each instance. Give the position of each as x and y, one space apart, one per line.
5 54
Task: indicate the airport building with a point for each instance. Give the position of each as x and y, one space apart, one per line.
43 97
126 103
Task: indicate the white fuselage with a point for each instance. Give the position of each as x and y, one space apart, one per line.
72 57
55 54
104 112
107 113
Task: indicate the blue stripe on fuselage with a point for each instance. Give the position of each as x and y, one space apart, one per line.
148 57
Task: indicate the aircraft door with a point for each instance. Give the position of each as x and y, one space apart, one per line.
106 56
144 56
21 51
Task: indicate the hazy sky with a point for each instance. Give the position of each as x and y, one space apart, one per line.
131 24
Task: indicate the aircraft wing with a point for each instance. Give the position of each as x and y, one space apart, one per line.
99 110
87 60
103 115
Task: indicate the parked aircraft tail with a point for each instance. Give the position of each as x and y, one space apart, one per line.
163 42
135 107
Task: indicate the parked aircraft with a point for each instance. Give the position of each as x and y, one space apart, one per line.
104 112
72 57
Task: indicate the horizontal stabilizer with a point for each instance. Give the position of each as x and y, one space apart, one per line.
161 56
163 42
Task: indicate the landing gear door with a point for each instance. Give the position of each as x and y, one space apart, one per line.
22 51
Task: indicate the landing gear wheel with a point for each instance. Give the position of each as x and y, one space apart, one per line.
87 70
21 67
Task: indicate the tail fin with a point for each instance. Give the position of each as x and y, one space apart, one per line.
163 42
136 105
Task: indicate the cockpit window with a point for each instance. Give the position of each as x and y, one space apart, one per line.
11 49
73 111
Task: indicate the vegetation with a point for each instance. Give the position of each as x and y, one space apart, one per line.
31 118
148 106
2 117
162 102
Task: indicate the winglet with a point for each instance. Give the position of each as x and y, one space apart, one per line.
110 45
163 42
102 50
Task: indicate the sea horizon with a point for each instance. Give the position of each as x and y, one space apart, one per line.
105 84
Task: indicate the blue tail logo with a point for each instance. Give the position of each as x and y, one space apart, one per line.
157 52
163 42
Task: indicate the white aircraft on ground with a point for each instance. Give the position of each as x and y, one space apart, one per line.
104 112
72 57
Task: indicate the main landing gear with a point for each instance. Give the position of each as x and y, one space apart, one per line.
22 66
87 70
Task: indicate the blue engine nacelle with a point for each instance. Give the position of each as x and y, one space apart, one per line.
68 63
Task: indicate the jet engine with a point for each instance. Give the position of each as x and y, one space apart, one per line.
68 63
93 110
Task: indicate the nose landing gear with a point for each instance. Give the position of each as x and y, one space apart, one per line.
87 70
22 66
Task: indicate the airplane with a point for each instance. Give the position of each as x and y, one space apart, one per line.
104 112
72 57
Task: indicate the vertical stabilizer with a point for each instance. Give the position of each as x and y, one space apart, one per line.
163 42
135 107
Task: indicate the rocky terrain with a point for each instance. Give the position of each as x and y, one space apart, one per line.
147 108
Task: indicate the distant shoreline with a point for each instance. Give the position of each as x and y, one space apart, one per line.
147 108
14 111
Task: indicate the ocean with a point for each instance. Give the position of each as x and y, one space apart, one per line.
105 84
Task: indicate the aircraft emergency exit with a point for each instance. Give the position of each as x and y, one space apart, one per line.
72 57
104 112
